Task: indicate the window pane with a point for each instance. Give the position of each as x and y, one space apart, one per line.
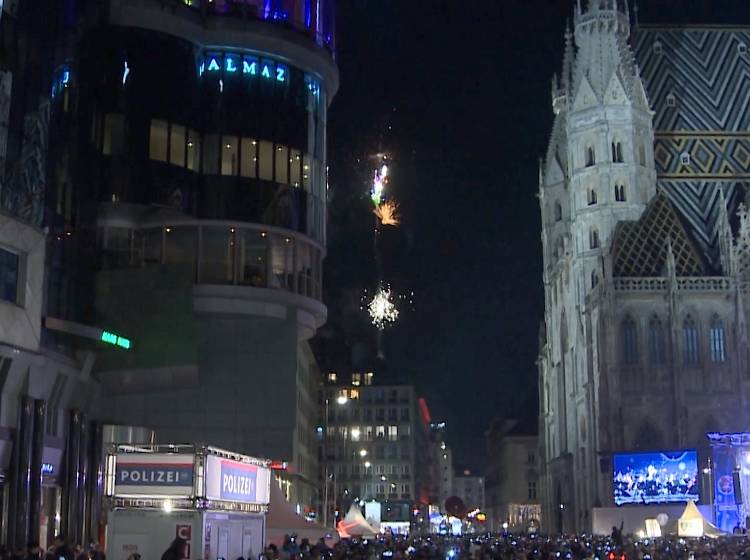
230 145
249 157
306 171
114 134
254 259
281 262
282 164
211 154
152 239
304 270
265 168
295 168
193 150
177 145
8 276
157 147
217 256
181 246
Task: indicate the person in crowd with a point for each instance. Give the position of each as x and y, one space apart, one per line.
176 550
61 549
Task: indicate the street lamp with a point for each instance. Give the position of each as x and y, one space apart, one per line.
368 464
341 400
363 452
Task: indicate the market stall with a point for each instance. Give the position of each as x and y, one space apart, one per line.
215 500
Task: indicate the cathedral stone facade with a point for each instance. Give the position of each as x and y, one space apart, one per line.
646 242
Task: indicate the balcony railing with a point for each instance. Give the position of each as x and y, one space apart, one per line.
312 18
219 253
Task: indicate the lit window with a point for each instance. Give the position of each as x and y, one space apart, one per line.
249 158
368 378
379 431
282 165
620 193
690 341
594 239
353 394
718 344
331 377
656 342
177 145
9 264
392 433
229 159
356 379
193 150
265 160
629 341
157 147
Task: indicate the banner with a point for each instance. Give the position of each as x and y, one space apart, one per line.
154 474
235 481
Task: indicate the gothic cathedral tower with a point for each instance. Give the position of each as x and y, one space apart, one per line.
599 171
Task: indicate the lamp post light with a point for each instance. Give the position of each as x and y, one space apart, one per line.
341 400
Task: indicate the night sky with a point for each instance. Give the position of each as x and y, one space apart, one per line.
465 90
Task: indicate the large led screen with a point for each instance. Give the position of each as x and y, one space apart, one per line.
658 477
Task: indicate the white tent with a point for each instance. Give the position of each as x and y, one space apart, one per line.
692 524
282 520
355 525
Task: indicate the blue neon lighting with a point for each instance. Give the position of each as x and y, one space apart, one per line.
280 74
230 64
266 72
266 9
308 13
213 66
250 66
65 77
125 72
201 68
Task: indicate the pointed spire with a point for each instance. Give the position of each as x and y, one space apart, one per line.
567 70
671 265
724 233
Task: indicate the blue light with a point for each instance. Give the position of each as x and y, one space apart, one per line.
280 74
266 72
201 68
250 66
125 72
230 64
213 66
65 77
308 14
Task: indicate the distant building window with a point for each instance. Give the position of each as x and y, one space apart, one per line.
656 343
594 279
620 193
594 239
671 100
158 140
685 158
532 491
742 48
690 341
531 458
9 276
629 341
617 152
718 343
591 199
356 379
331 377
658 48
113 142
558 211
590 156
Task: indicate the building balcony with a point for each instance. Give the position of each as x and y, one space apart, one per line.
238 268
301 31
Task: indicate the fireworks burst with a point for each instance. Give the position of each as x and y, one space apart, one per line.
379 180
382 310
387 213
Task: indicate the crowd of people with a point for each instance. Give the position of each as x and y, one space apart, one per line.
514 547
60 550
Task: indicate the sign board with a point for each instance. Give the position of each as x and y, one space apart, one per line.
235 481
154 474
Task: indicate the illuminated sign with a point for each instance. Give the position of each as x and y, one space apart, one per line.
236 481
248 66
115 340
48 468
153 474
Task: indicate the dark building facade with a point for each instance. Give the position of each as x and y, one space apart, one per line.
165 174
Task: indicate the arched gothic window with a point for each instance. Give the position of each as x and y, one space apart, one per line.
617 151
593 239
718 341
558 211
590 156
690 350
594 279
629 341
620 192
591 198
657 354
